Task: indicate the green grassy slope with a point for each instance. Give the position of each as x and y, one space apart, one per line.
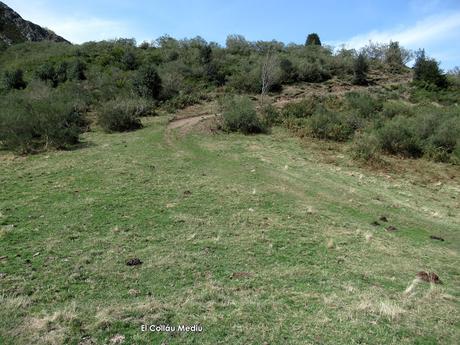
256 238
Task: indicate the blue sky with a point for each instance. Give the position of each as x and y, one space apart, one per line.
431 24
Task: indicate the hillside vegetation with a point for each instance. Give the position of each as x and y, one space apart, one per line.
271 193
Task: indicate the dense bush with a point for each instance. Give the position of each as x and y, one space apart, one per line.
302 109
427 72
329 125
121 115
365 105
147 82
14 80
361 68
269 115
399 137
53 74
239 115
34 121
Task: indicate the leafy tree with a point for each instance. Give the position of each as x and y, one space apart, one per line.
313 40
394 58
427 71
361 68
14 79
129 61
147 82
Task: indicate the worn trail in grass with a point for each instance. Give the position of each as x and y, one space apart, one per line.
255 238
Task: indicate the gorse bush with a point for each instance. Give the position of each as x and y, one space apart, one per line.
32 122
239 115
121 115
14 80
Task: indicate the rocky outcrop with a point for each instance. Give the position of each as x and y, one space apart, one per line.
14 29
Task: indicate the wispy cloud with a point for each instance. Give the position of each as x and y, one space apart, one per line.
77 28
424 33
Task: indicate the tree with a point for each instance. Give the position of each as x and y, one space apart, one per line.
394 58
147 82
313 40
361 68
14 79
269 73
129 61
427 71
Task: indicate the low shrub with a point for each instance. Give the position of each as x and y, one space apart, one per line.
35 122
392 108
331 125
269 115
121 115
239 115
399 137
302 109
364 104
366 148
14 80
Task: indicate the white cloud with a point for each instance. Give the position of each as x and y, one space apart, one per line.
423 33
77 28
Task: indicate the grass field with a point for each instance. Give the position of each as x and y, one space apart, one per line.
259 239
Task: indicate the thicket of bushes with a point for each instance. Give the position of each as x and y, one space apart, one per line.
119 81
379 125
41 118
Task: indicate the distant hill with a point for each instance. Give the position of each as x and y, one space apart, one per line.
14 29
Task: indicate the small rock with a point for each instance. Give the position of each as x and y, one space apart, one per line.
187 193
383 219
437 238
2 275
3 257
134 262
391 228
117 339
429 277
375 223
134 292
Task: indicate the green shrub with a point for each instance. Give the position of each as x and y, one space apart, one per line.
121 115
14 80
366 147
147 82
32 122
269 115
427 71
302 109
129 61
398 136
77 71
239 115
329 125
393 108
361 67
364 104
52 74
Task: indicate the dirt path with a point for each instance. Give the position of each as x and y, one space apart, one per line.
185 124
